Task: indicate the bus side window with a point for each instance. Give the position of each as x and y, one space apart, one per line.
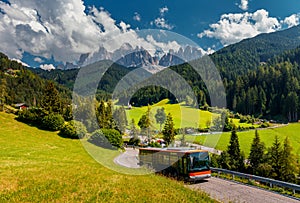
184 159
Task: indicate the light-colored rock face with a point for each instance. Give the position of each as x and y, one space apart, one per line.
129 56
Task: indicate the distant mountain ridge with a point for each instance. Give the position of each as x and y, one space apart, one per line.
138 57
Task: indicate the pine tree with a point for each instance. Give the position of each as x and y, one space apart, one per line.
51 101
288 163
145 122
256 156
120 119
236 159
101 115
3 93
160 117
275 158
134 133
169 130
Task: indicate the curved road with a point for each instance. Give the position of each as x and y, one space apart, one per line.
219 189
228 191
128 159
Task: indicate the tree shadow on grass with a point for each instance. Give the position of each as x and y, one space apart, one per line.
102 142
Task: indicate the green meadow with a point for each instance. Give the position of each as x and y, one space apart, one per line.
183 116
40 166
245 138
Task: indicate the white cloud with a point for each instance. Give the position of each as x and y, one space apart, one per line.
165 46
21 62
38 59
47 67
292 20
47 28
232 28
162 23
163 10
62 30
244 5
137 17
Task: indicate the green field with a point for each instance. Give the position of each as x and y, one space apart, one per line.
183 116
40 166
267 136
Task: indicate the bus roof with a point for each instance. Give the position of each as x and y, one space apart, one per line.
174 149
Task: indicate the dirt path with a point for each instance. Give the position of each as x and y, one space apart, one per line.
228 191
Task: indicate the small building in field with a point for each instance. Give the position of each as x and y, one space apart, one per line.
21 106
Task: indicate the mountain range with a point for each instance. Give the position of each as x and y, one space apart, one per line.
138 57
263 71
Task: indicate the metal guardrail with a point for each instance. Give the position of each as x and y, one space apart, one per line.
269 181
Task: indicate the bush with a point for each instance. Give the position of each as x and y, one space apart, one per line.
134 141
155 144
53 122
264 125
73 129
106 138
31 116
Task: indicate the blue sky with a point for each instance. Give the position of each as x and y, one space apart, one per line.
42 32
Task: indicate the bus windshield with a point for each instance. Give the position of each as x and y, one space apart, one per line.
199 161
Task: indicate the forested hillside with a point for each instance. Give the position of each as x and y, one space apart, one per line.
20 85
261 77
248 54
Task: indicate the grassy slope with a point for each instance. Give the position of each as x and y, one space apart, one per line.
40 166
190 117
267 136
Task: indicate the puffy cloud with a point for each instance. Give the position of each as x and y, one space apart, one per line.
163 10
38 59
162 23
21 62
244 5
292 20
47 28
137 17
63 30
233 28
47 67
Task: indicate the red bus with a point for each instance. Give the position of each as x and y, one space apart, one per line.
182 163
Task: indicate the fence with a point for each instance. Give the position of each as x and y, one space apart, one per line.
271 182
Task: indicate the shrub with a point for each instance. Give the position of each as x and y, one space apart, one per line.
73 129
264 125
106 138
53 122
31 116
155 144
134 141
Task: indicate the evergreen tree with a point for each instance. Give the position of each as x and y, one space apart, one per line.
134 134
160 117
145 122
275 158
109 116
120 119
169 130
3 93
51 101
101 115
224 160
288 163
256 156
236 158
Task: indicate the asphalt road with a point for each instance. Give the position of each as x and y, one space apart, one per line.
228 191
128 159
219 189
